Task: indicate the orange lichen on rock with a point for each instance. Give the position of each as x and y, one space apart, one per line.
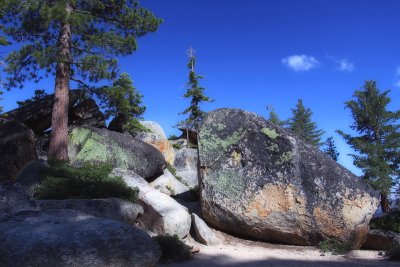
279 198
328 223
165 148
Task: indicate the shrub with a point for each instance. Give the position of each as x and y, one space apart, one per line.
333 246
172 248
172 170
177 146
394 252
61 181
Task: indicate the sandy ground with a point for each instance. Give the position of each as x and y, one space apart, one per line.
237 252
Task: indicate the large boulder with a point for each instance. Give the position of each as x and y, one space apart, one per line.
17 148
162 214
72 238
87 144
389 221
108 208
186 161
260 181
157 138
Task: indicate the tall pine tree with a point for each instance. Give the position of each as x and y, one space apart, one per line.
378 141
330 149
196 95
74 41
300 123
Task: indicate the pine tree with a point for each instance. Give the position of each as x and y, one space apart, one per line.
330 149
196 94
378 141
74 41
302 126
123 101
273 116
39 94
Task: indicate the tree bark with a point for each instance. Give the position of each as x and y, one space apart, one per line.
58 148
385 204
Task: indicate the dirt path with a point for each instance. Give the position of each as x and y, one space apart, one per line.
244 255
237 252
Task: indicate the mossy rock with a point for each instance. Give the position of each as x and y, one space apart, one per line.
87 144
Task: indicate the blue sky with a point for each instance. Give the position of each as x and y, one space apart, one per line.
255 53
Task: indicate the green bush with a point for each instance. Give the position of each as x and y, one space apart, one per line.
394 252
61 181
333 246
177 146
172 248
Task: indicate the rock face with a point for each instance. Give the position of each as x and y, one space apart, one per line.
71 238
203 233
168 182
156 137
13 199
185 163
87 144
17 148
381 240
108 208
86 113
37 114
162 214
258 180
30 237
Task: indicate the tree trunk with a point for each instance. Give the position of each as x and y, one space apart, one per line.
58 148
385 204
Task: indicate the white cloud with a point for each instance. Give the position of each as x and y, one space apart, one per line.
300 62
345 65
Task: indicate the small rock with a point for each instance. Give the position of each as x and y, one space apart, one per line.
203 233
168 182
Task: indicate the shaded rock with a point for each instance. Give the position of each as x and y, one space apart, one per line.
380 239
72 238
108 208
37 114
17 148
42 145
30 177
156 137
389 221
258 180
192 133
87 113
186 161
14 199
162 214
87 144
168 182
203 233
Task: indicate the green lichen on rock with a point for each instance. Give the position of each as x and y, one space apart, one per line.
230 182
271 133
211 142
79 136
286 157
274 148
220 126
